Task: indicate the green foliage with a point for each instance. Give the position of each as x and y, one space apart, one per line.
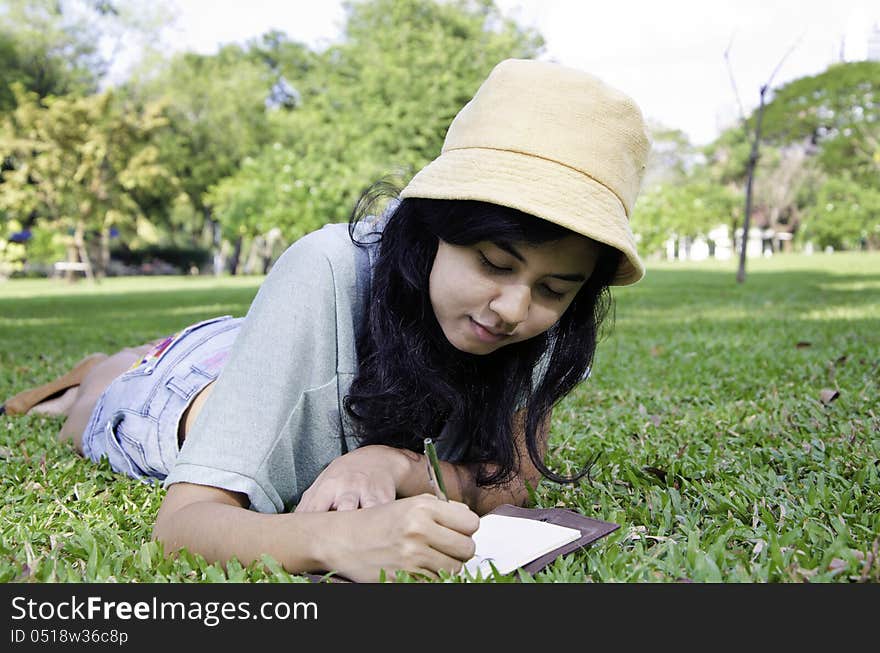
216 115
44 247
818 165
269 191
79 165
720 460
12 254
838 110
47 47
728 156
672 157
275 135
377 104
831 101
693 208
844 215
268 135
63 47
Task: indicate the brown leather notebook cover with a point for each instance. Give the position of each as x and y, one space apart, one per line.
591 530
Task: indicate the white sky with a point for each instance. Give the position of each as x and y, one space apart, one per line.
668 55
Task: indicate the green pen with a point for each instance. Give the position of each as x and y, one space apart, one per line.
435 476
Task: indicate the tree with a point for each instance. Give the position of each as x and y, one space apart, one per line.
80 167
689 209
845 215
782 175
752 131
59 47
376 104
837 113
217 116
831 121
48 49
672 156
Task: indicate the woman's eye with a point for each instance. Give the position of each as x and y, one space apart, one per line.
497 269
552 293
488 264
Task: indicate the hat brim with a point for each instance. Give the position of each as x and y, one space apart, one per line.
537 186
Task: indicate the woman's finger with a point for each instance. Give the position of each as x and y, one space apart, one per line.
452 546
454 524
346 501
315 499
456 516
377 495
370 500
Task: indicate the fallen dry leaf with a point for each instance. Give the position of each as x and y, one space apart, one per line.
836 564
803 344
759 546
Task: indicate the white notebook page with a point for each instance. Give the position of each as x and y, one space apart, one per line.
511 542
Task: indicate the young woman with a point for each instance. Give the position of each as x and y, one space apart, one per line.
463 313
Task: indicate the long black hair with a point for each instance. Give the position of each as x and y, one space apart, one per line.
411 382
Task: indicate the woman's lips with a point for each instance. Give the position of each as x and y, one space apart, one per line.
484 334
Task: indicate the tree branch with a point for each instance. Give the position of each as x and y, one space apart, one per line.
742 113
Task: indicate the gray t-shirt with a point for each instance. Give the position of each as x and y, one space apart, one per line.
274 419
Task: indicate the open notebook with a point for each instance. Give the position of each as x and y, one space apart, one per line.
512 542
529 539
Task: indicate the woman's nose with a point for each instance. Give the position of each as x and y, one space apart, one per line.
512 305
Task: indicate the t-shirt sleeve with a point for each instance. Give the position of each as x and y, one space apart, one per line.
286 350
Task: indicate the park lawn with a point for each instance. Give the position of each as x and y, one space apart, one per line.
723 456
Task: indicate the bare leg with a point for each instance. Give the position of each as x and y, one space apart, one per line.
94 383
21 403
56 406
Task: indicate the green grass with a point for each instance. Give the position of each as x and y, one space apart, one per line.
719 458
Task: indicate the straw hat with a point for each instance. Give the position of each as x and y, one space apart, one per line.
552 141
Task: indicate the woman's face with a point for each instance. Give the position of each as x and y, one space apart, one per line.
486 296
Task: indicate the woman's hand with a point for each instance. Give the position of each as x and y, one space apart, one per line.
363 478
418 534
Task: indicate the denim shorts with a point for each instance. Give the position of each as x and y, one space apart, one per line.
135 420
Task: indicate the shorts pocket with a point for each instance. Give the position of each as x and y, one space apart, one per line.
136 437
155 355
187 384
126 455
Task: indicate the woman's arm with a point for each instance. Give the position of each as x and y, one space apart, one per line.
376 474
419 534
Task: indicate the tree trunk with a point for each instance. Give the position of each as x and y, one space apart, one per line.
104 259
236 256
753 160
79 243
216 238
272 239
254 255
72 257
